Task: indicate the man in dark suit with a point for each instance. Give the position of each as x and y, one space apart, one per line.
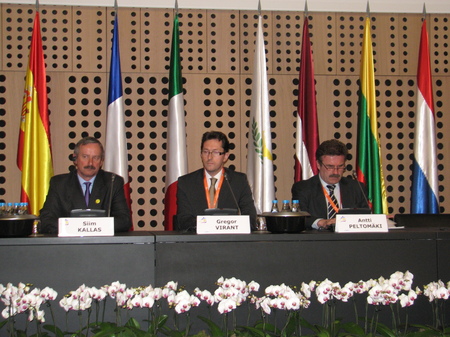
68 191
324 194
195 193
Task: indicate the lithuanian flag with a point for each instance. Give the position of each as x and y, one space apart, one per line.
369 167
34 157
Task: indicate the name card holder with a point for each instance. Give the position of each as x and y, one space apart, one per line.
91 226
361 223
223 224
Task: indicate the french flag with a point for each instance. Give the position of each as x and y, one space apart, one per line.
116 153
424 197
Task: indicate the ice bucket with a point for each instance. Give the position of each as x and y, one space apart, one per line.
16 225
285 222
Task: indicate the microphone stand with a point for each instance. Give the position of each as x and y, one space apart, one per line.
110 194
234 197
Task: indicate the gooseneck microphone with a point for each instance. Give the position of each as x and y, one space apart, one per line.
231 190
362 191
110 194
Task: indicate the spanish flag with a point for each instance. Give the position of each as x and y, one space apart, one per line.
369 167
34 156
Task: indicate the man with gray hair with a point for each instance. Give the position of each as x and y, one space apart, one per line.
86 187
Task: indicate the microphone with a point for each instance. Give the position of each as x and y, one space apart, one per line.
360 188
110 194
231 190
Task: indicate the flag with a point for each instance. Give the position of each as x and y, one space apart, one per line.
425 184
369 167
176 158
307 126
259 158
116 152
34 155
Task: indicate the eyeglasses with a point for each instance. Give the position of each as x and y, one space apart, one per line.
334 167
206 153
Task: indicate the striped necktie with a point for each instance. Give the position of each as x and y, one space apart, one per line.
212 191
331 210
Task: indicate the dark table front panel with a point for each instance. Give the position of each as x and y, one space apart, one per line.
143 258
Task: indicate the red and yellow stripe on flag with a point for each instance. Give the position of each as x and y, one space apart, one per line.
34 156
369 167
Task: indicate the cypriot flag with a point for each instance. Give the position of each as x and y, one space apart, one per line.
259 158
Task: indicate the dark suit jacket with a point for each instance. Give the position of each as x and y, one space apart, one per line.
66 194
191 198
309 193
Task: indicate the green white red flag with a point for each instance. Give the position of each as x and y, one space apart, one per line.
176 157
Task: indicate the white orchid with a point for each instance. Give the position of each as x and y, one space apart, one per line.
227 305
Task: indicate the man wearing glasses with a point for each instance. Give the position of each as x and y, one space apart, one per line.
324 194
212 186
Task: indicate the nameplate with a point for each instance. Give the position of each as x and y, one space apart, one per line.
223 224
358 223
91 226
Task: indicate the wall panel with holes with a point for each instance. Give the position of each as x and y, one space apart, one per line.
217 50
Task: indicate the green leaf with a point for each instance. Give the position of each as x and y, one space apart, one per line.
253 331
385 331
54 329
353 329
213 327
132 322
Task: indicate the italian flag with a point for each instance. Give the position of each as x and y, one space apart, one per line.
176 134
369 167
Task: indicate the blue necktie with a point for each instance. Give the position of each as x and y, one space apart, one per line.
87 192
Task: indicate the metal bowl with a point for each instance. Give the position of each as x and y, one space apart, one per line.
16 225
285 222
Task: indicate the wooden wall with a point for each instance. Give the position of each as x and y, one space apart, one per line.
217 49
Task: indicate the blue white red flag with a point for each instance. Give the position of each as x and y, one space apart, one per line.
116 152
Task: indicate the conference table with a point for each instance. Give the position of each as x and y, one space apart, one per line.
155 258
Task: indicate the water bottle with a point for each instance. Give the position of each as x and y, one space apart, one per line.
295 206
25 208
274 206
2 208
286 206
10 208
16 208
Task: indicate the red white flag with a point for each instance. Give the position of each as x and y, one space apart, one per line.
307 127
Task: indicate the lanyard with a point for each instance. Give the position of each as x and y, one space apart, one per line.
331 202
216 196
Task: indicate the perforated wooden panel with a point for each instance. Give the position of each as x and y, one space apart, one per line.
217 49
